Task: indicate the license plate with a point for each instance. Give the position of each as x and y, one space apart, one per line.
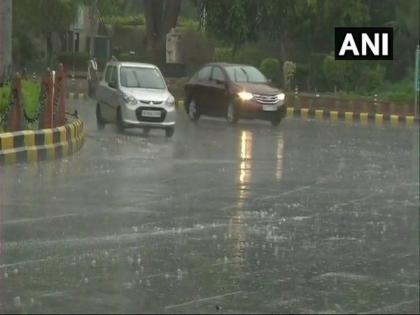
151 113
270 108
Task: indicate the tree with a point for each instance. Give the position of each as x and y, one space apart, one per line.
5 40
30 17
234 21
161 16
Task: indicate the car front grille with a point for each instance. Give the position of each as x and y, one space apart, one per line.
150 119
151 102
266 99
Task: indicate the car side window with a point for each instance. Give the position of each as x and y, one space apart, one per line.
204 74
218 74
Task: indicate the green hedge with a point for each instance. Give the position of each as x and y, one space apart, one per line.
401 92
30 93
125 20
271 68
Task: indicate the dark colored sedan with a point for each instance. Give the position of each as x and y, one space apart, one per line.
233 91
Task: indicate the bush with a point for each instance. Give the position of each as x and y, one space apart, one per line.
187 23
125 20
336 73
223 54
316 77
128 38
251 55
401 92
347 75
301 76
271 68
371 78
24 51
79 60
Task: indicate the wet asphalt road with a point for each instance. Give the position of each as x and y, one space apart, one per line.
309 217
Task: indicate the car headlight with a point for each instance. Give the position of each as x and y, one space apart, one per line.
281 96
129 99
245 96
170 102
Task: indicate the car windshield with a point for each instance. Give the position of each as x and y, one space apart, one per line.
245 74
136 77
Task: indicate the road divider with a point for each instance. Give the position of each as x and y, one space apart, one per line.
39 145
348 117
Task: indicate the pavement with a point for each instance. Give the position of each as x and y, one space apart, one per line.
310 217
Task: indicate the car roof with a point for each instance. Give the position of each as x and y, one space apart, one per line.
226 64
131 64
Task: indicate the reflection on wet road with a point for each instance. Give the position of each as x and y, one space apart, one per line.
309 217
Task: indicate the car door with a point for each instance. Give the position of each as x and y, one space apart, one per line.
111 99
218 95
105 94
115 91
102 90
201 92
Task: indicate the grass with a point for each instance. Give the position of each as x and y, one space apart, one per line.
4 96
30 97
4 100
30 93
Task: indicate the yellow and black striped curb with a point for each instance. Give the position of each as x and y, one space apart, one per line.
38 145
364 118
77 96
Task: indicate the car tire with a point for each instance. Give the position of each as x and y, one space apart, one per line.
232 113
193 111
100 122
169 131
120 122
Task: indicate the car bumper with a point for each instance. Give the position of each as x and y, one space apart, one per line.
133 117
253 109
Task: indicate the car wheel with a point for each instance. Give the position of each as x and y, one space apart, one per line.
100 122
169 132
275 122
232 114
120 122
193 111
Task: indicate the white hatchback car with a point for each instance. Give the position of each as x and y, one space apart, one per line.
135 95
